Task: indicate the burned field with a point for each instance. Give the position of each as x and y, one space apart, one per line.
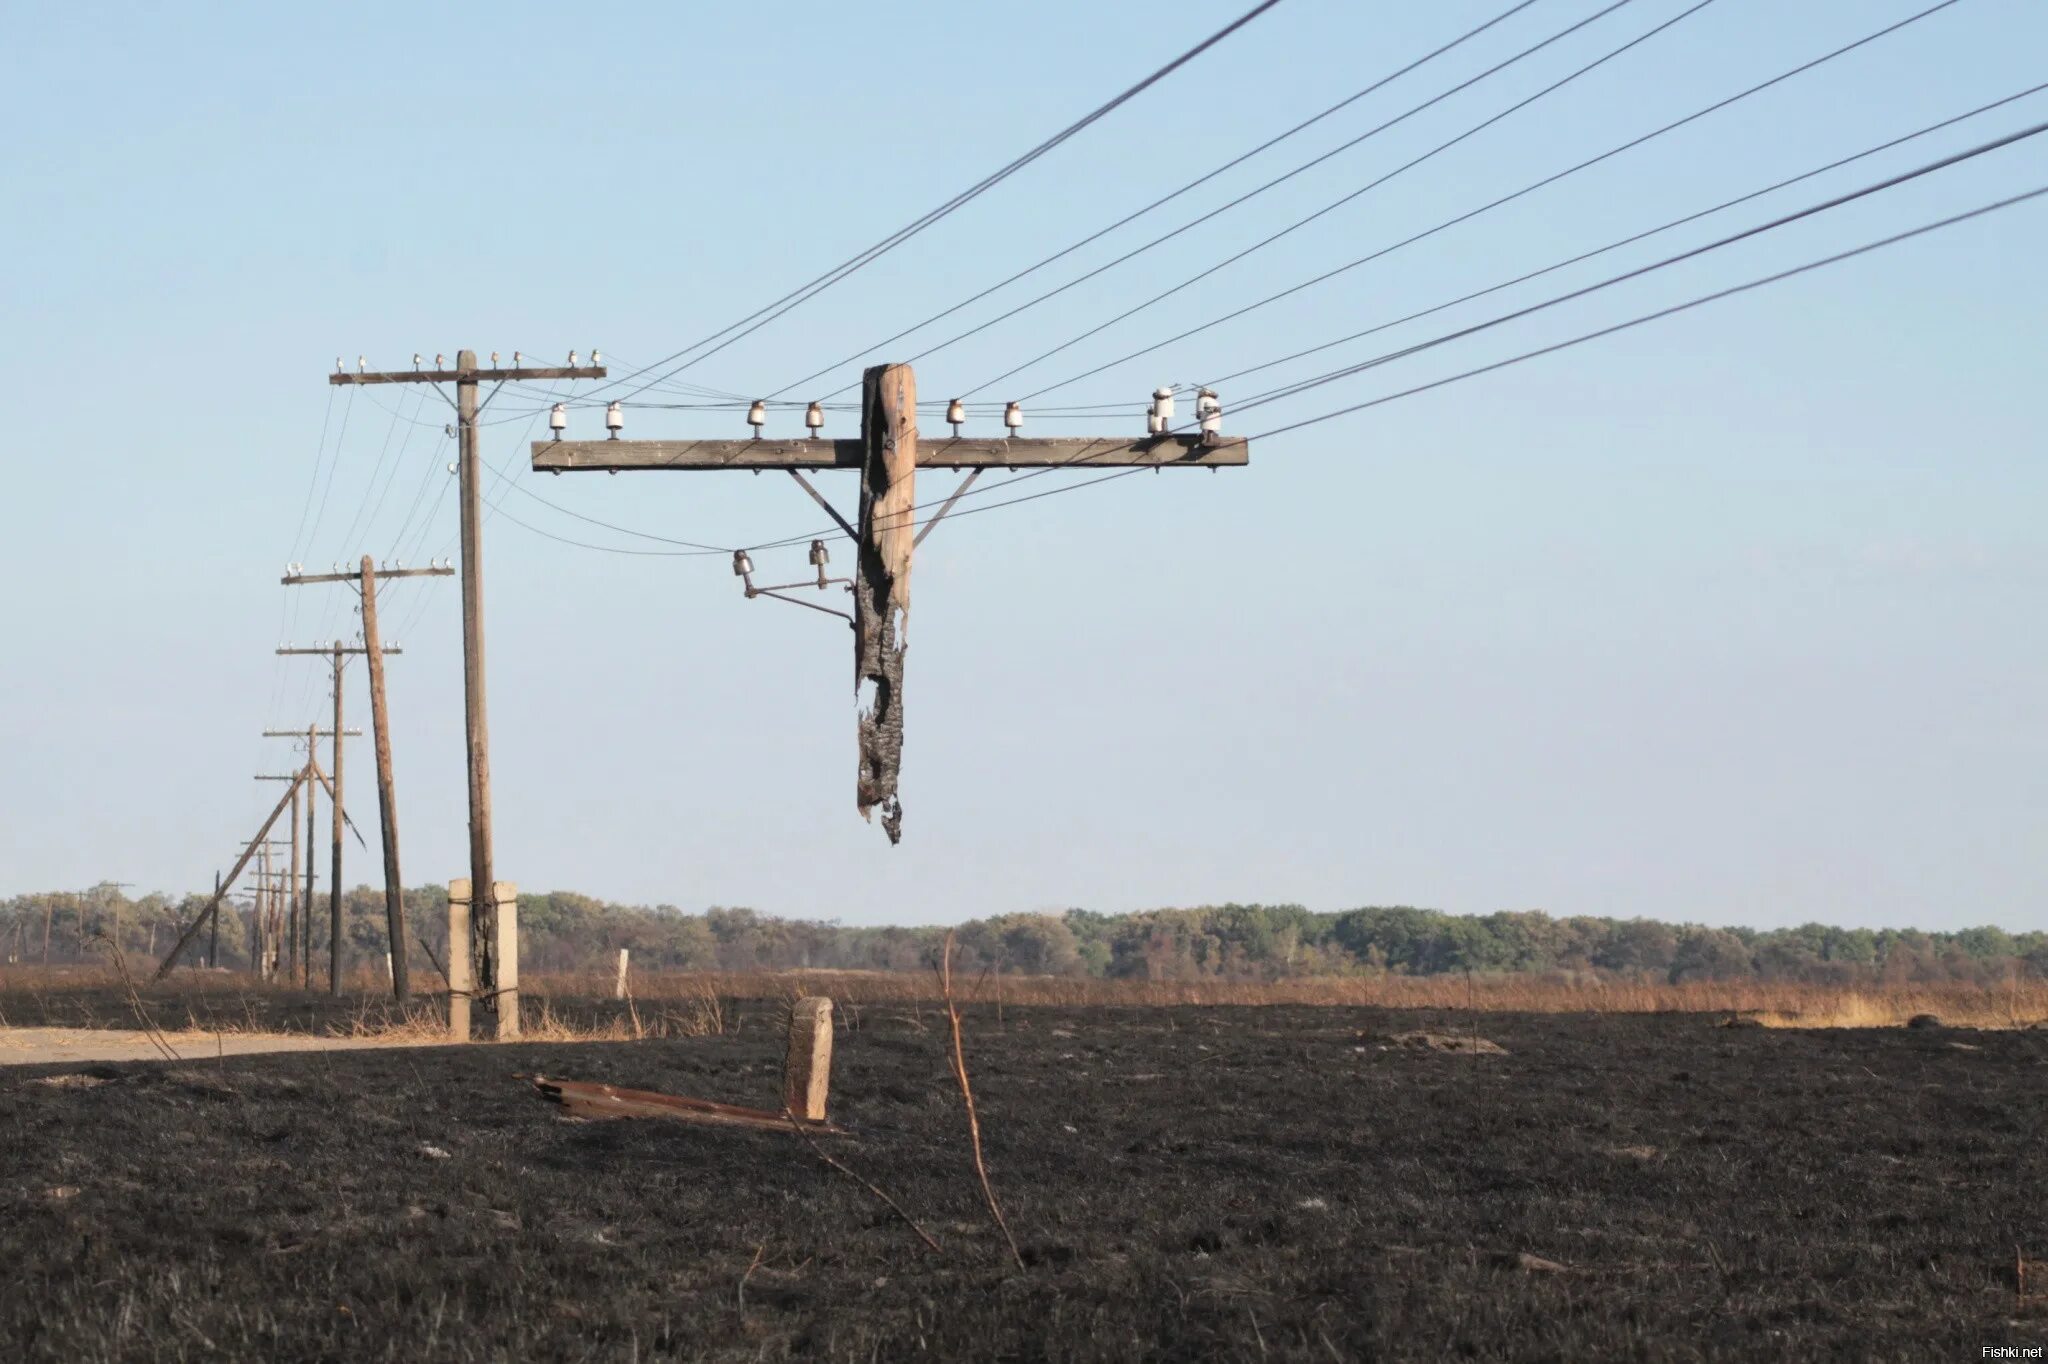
1237 1183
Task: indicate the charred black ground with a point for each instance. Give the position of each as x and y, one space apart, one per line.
1229 1183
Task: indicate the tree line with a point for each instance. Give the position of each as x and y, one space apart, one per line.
562 931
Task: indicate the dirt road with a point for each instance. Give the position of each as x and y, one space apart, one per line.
46 1046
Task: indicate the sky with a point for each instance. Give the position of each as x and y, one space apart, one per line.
1733 617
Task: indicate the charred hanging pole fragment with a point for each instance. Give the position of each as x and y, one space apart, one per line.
886 454
881 594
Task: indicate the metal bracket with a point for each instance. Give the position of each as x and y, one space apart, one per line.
846 616
830 510
965 484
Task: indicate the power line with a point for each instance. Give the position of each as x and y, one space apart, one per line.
1307 165
1798 215
761 317
1589 336
623 530
1630 239
1169 197
1460 218
1660 313
1332 207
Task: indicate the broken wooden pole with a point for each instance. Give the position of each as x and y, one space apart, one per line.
588 1099
505 955
807 1071
458 959
619 985
881 596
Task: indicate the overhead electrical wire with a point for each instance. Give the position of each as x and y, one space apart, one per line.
1782 220
1555 347
1629 240
1305 166
1171 195
1333 206
1674 309
1294 389
805 292
1444 225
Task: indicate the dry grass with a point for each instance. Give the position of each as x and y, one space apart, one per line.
2016 1003
696 1004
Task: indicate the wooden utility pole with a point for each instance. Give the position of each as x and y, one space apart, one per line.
365 580
292 916
261 956
295 914
387 801
339 655
313 779
312 812
289 920
466 376
886 455
334 876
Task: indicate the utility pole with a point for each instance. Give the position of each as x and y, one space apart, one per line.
260 958
306 920
294 917
314 779
339 653
466 376
261 932
365 582
887 454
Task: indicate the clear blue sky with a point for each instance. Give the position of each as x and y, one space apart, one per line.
1734 618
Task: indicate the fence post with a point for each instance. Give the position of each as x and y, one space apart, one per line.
507 895
458 959
807 1073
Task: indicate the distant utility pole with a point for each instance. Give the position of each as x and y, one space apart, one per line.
466 376
261 946
365 581
887 454
294 916
315 779
340 654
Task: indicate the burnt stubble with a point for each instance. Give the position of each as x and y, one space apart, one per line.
1245 1183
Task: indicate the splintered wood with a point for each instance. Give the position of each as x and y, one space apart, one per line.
806 1083
587 1099
881 610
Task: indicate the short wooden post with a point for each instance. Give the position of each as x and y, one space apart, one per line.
506 956
807 1074
458 959
619 985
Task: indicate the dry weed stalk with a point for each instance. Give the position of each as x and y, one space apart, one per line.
959 1059
822 1154
149 1028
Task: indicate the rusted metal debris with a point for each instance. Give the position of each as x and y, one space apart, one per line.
589 1099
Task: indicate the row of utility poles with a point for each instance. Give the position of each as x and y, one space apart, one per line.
283 925
483 947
